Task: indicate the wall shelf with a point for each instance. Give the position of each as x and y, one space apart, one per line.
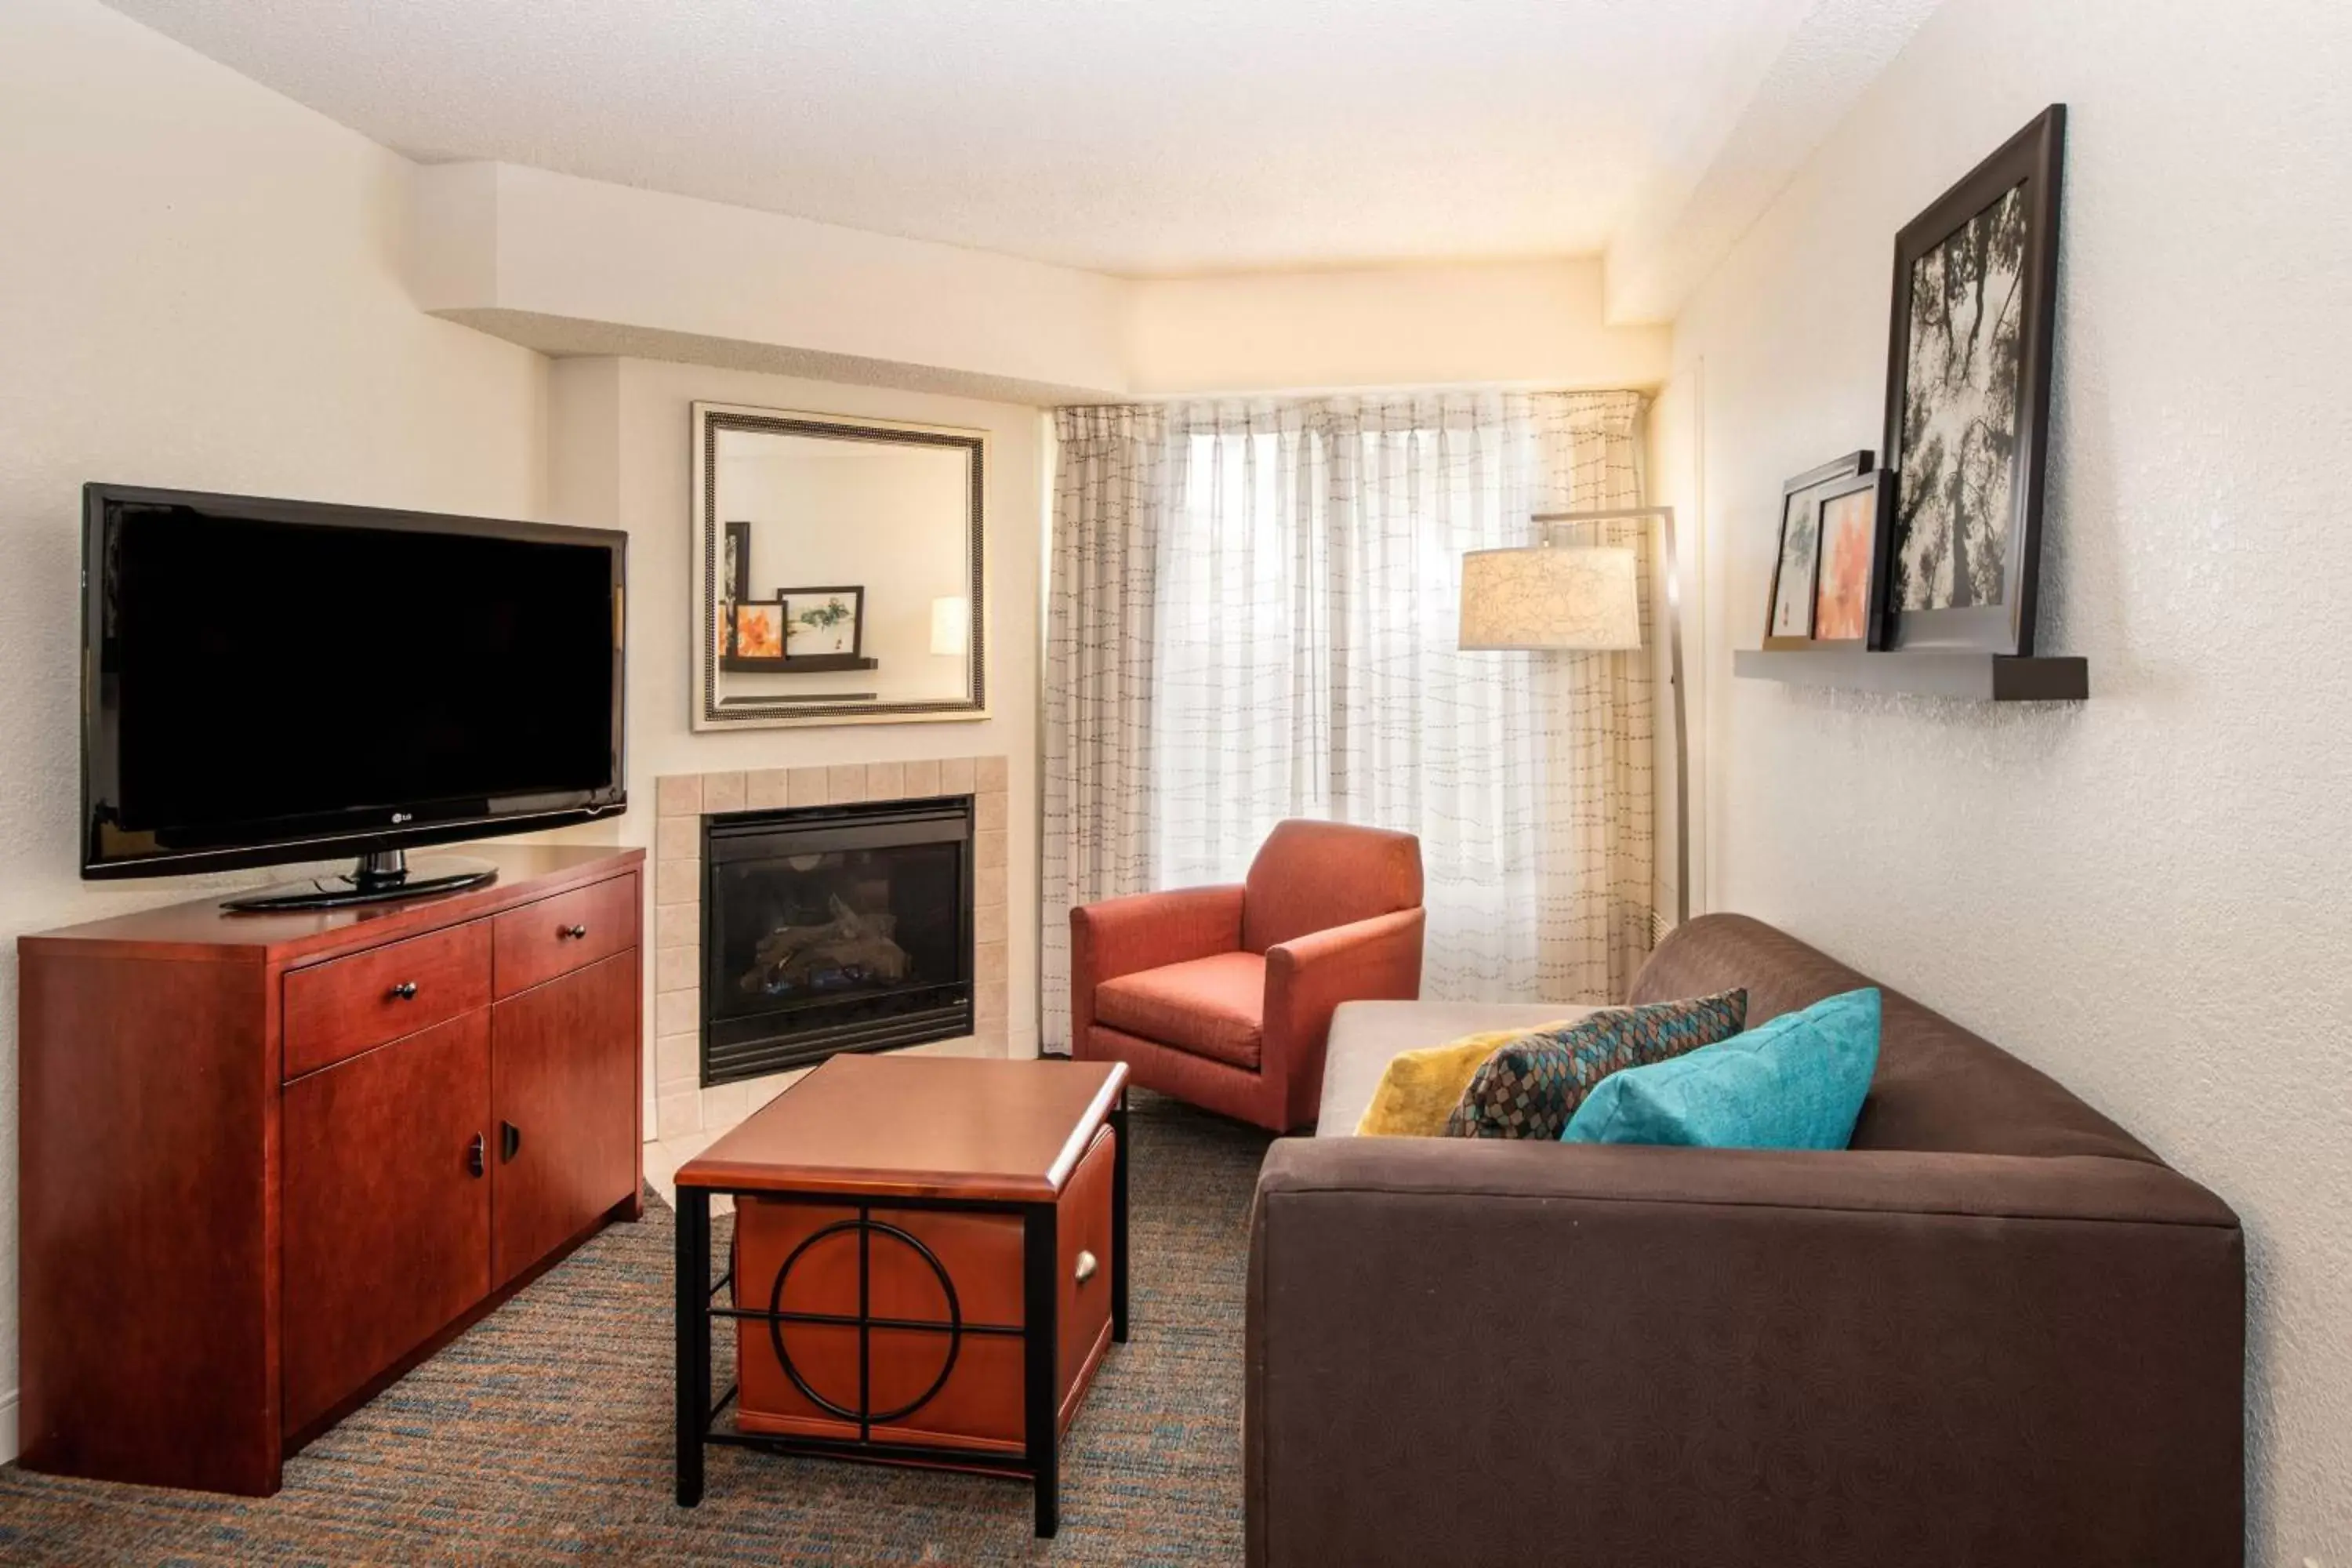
806 664
1976 677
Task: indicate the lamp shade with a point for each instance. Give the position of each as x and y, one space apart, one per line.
950 627
1550 597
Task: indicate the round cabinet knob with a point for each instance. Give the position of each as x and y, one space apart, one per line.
575 932
405 991
1087 1267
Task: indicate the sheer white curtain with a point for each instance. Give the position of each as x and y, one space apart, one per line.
1293 656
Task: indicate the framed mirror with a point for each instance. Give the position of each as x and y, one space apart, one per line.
839 571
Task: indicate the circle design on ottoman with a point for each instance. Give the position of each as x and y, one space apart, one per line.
863 1321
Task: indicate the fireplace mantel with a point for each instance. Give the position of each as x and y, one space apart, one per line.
683 1108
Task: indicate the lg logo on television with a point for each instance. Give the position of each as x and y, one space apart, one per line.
399 816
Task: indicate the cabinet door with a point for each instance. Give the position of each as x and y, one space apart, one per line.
387 1222
565 1090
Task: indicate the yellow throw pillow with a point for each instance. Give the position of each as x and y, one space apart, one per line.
1419 1089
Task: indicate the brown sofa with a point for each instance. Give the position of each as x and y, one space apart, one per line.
1998 1330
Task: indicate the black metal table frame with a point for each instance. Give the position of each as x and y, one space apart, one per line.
1039 1331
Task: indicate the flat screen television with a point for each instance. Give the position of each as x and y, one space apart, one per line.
266 681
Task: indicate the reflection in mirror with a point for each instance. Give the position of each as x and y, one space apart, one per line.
839 571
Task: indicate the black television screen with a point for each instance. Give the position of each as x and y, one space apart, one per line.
275 680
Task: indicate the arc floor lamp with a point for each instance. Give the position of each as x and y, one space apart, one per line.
1552 598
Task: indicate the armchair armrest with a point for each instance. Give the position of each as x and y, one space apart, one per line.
1738 1357
1308 977
1146 930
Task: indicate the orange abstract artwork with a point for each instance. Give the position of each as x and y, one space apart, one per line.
1842 612
759 632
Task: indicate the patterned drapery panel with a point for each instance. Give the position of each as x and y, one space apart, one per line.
1111 494
1253 615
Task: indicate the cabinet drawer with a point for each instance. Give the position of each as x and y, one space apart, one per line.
571 931
343 1007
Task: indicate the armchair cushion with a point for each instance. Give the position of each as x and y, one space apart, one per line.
1213 1006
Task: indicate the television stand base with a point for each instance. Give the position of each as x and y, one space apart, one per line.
376 879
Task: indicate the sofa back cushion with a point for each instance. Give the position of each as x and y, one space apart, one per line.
1938 1087
1312 876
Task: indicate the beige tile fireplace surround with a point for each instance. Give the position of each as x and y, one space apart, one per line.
687 1114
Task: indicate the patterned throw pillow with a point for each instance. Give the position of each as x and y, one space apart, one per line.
1532 1087
1419 1089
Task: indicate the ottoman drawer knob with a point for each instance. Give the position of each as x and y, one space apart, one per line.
1087 1267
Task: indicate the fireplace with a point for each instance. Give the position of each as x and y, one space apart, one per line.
836 928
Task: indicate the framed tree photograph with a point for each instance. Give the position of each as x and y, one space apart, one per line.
1788 613
1967 399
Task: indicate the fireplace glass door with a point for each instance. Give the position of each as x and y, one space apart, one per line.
833 929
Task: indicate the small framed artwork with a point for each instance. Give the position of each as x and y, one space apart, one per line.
758 630
1849 593
1967 399
822 623
1789 613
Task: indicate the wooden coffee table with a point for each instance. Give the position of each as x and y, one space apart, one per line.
930 1263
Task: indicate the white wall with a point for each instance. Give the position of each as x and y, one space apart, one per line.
2144 894
200 286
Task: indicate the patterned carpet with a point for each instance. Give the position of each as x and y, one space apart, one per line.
543 1434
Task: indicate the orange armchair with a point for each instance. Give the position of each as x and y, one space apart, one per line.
1223 997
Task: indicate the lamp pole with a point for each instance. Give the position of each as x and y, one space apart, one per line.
1549 521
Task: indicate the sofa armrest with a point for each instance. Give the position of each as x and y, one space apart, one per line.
1146 930
1737 1356
1306 978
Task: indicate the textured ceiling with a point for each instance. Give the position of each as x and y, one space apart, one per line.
1181 136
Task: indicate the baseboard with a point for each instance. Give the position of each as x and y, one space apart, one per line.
8 1427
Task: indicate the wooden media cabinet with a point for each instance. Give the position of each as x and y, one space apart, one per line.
271 1162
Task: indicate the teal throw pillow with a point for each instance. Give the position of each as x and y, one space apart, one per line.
1796 1083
